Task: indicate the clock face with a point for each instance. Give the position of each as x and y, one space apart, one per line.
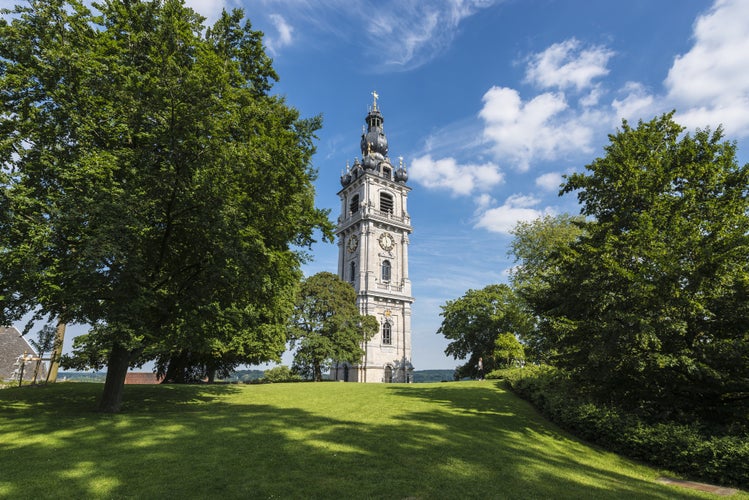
386 241
353 243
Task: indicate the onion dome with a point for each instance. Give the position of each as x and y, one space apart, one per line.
401 175
346 177
373 140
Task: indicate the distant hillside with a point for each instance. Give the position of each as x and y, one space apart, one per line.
421 376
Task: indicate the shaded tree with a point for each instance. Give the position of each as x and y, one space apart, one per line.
473 322
327 326
150 185
655 302
542 248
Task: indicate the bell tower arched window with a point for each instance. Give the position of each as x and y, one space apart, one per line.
352 273
387 333
386 203
385 270
354 205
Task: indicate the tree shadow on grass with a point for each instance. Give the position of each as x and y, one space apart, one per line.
202 442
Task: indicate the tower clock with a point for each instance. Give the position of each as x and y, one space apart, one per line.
373 237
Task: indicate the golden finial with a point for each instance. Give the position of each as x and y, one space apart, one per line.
376 96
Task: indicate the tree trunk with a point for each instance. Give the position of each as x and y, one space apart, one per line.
114 386
54 364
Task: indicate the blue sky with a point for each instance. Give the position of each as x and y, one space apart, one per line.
490 103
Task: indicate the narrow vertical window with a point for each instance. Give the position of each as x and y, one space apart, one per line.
387 333
352 273
354 205
386 203
385 270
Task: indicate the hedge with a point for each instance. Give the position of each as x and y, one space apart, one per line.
694 450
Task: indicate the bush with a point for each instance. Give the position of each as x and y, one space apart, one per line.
280 373
714 455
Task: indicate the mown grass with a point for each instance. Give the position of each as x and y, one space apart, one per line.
326 440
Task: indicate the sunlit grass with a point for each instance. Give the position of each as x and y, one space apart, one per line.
326 440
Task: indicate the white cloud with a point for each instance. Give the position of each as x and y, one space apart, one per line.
516 208
210 9
550 181
537 129
393 34
447 174
567 64
409 33
284 35
710 83
635 103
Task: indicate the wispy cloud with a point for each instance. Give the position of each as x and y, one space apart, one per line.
568 64
516 208
393 35
283 36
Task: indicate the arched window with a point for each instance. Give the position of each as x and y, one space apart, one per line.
387 333
385 270
352 273
386 203
354 205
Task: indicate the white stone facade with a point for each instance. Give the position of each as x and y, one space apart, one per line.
373 238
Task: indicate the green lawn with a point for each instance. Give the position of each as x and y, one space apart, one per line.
324 440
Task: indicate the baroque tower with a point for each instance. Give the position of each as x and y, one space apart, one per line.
373 231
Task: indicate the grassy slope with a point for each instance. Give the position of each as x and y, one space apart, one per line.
457 440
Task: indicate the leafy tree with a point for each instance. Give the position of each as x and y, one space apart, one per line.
280 373
508 350
473 322
150 185
655 302
326 326
542 248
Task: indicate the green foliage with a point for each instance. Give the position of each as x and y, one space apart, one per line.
541 249
326 326
280 373
151 184
717 455
473 322
508 351
648 306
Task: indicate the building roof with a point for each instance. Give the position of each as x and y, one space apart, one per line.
12 345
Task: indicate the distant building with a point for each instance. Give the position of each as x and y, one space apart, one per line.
13 347
373 231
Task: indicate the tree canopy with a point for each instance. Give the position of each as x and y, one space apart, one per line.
327 326
474 321
150 185
652 309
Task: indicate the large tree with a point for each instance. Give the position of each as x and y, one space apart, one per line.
542 248
654 305
326 326
474 321
150 184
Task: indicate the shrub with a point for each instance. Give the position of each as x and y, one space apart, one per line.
709 454
280 373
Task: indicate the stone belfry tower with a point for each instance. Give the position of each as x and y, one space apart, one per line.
373 231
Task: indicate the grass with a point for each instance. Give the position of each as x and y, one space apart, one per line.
326 440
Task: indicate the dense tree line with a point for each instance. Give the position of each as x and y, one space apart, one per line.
151 186
643 301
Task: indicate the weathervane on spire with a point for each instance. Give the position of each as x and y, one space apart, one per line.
376 96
